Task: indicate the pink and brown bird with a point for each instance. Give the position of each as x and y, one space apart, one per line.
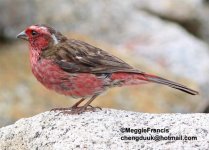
80 70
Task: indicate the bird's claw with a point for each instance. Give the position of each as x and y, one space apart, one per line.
94 107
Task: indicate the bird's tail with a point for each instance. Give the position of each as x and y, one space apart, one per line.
171 84
140 78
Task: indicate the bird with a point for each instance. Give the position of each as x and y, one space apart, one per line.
80 70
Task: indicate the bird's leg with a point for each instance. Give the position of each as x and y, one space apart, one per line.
76 104
69 108
79 110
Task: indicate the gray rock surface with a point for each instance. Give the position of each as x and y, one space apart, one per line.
101 19
104 129
170 8
192 14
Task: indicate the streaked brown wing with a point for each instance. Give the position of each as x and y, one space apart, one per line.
75 56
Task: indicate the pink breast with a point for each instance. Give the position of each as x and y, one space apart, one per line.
75 85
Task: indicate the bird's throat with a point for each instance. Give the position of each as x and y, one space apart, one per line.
34 57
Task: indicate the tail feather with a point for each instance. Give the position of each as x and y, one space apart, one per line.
171 84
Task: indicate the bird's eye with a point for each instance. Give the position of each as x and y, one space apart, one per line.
33 33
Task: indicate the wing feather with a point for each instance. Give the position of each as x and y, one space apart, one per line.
75 56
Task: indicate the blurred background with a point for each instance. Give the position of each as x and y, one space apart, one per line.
167 37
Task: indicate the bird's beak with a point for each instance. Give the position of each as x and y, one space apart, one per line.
22 35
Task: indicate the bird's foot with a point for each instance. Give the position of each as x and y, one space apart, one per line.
80 110
94 107
76 110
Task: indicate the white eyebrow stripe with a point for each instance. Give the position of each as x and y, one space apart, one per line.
55 39
79 57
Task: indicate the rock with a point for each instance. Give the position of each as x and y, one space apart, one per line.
100 19
15 15
170 9
191 14
106 129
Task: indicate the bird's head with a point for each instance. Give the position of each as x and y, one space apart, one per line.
41 36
